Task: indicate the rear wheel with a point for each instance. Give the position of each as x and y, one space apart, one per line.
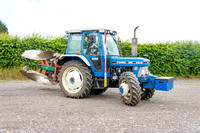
75 79
130 88
147 93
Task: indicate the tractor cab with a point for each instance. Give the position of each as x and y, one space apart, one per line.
90 42
89 45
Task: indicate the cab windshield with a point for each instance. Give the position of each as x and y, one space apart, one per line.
111 45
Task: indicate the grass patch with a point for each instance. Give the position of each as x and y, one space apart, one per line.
11 74
3 81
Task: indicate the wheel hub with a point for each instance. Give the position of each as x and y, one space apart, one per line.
124 89
74 79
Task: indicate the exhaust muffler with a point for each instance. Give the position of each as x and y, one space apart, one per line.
134 44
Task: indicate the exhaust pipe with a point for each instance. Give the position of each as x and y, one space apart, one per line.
134 44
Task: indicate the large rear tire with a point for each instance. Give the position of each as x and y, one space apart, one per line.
148 93
75 79
130 89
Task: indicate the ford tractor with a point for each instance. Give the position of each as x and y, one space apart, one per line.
92 63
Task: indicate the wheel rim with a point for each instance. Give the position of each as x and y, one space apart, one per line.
72 80
125 87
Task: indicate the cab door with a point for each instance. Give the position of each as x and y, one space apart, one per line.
92 50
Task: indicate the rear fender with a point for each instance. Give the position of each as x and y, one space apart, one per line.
64 58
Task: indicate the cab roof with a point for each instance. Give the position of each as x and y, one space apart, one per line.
99 30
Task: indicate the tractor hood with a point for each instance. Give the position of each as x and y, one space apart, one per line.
129 61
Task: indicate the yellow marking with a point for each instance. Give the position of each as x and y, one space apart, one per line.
105 82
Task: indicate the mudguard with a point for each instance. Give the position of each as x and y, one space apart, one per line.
81 57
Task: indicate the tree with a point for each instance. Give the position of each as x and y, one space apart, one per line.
3 28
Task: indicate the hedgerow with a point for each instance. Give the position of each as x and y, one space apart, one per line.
11 48
167 59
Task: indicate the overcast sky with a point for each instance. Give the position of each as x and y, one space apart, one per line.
159 20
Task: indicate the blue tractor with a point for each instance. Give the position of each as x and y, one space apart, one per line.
92 63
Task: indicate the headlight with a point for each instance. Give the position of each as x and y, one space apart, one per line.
143 71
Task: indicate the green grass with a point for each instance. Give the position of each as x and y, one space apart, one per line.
3 81
11 74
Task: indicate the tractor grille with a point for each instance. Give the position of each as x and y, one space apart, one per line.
129 62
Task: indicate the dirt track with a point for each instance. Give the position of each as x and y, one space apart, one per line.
26 106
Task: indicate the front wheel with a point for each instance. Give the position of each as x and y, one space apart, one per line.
75 79
130 89
147 93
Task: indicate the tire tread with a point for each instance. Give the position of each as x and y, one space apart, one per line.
135 86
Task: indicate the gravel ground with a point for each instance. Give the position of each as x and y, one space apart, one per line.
27 106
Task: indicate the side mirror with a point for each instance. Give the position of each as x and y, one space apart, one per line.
65 37
119 40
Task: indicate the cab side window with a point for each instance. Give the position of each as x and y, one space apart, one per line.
75 43
91 44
